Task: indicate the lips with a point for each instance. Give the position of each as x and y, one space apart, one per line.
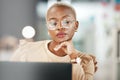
61 35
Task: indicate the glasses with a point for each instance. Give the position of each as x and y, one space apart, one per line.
66 23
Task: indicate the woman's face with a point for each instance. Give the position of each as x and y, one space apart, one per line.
61 24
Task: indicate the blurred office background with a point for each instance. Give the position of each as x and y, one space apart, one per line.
98 33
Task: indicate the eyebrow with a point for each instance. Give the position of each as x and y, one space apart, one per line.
52 19
67 16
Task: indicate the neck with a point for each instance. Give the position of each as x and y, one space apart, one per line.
51 47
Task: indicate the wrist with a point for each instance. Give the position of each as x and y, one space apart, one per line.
73 55
74 58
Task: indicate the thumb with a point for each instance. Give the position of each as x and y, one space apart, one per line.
59 46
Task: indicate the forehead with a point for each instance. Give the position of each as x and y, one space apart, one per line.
60 11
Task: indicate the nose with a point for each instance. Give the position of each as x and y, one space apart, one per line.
59 26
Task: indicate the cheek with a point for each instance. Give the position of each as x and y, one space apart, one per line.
71 32
52 34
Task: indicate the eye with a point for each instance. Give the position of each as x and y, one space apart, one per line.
52 23
66 22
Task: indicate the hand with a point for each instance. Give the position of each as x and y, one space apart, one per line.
95 62
67 46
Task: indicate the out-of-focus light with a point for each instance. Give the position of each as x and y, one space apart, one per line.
28 32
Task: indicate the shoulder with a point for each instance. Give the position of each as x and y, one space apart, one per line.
28 48
32 44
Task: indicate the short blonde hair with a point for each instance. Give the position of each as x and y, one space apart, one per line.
60 4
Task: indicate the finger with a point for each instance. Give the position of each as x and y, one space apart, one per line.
59 46
68 48
64 49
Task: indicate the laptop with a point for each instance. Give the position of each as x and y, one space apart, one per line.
35 71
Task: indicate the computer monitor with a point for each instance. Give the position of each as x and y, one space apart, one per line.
35 71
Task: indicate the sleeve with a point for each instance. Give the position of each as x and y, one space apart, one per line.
88 63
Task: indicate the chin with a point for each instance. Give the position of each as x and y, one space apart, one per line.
61 40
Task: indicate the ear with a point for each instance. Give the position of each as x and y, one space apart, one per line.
76 25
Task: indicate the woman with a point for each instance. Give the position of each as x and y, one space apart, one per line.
62 24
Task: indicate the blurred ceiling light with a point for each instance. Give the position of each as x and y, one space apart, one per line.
28 32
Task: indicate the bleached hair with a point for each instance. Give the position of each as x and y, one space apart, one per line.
61 4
